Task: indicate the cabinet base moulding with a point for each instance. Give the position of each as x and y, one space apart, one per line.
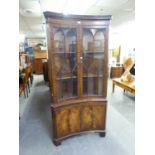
58 142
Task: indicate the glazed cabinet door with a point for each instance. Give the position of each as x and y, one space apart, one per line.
92 58
65 61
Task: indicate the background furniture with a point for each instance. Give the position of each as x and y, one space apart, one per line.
132 70
39 57
38 66
45 70
116 71
24 59
78 72
25 73
127 86
31 52
22 85
116 53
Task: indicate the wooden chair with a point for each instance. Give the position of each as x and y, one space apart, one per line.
22 87
30 73
26 79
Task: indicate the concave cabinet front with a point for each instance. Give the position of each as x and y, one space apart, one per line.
78 72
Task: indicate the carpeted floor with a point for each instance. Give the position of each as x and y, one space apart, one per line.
35 127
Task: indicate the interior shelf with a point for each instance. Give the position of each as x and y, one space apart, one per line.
93 52
88 94
66 78
73 77
64 52
93 76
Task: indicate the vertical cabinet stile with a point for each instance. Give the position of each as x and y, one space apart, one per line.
79 51
53 77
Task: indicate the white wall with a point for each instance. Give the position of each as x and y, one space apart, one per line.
123 36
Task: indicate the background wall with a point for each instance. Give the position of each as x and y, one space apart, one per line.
123 36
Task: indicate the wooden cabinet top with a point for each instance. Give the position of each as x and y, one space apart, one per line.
48 14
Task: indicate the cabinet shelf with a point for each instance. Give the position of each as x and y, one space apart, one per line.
64 52
93 76
92 95
66 78
74 77
93 52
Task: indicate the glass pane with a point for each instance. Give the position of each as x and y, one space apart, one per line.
65 62
93 58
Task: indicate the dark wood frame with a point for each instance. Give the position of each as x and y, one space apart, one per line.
88 112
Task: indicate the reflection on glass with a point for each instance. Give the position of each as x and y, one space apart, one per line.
93 58
65 62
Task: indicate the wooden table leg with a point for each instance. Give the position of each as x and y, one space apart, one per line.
113 87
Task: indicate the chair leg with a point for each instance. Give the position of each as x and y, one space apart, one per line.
30 82
24 93
28 86
113 87
31 79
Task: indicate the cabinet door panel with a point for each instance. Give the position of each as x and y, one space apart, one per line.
92 61
99 117
79 117
86 118
62 122
74 119
65 61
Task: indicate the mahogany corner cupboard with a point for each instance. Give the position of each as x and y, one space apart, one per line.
78 73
